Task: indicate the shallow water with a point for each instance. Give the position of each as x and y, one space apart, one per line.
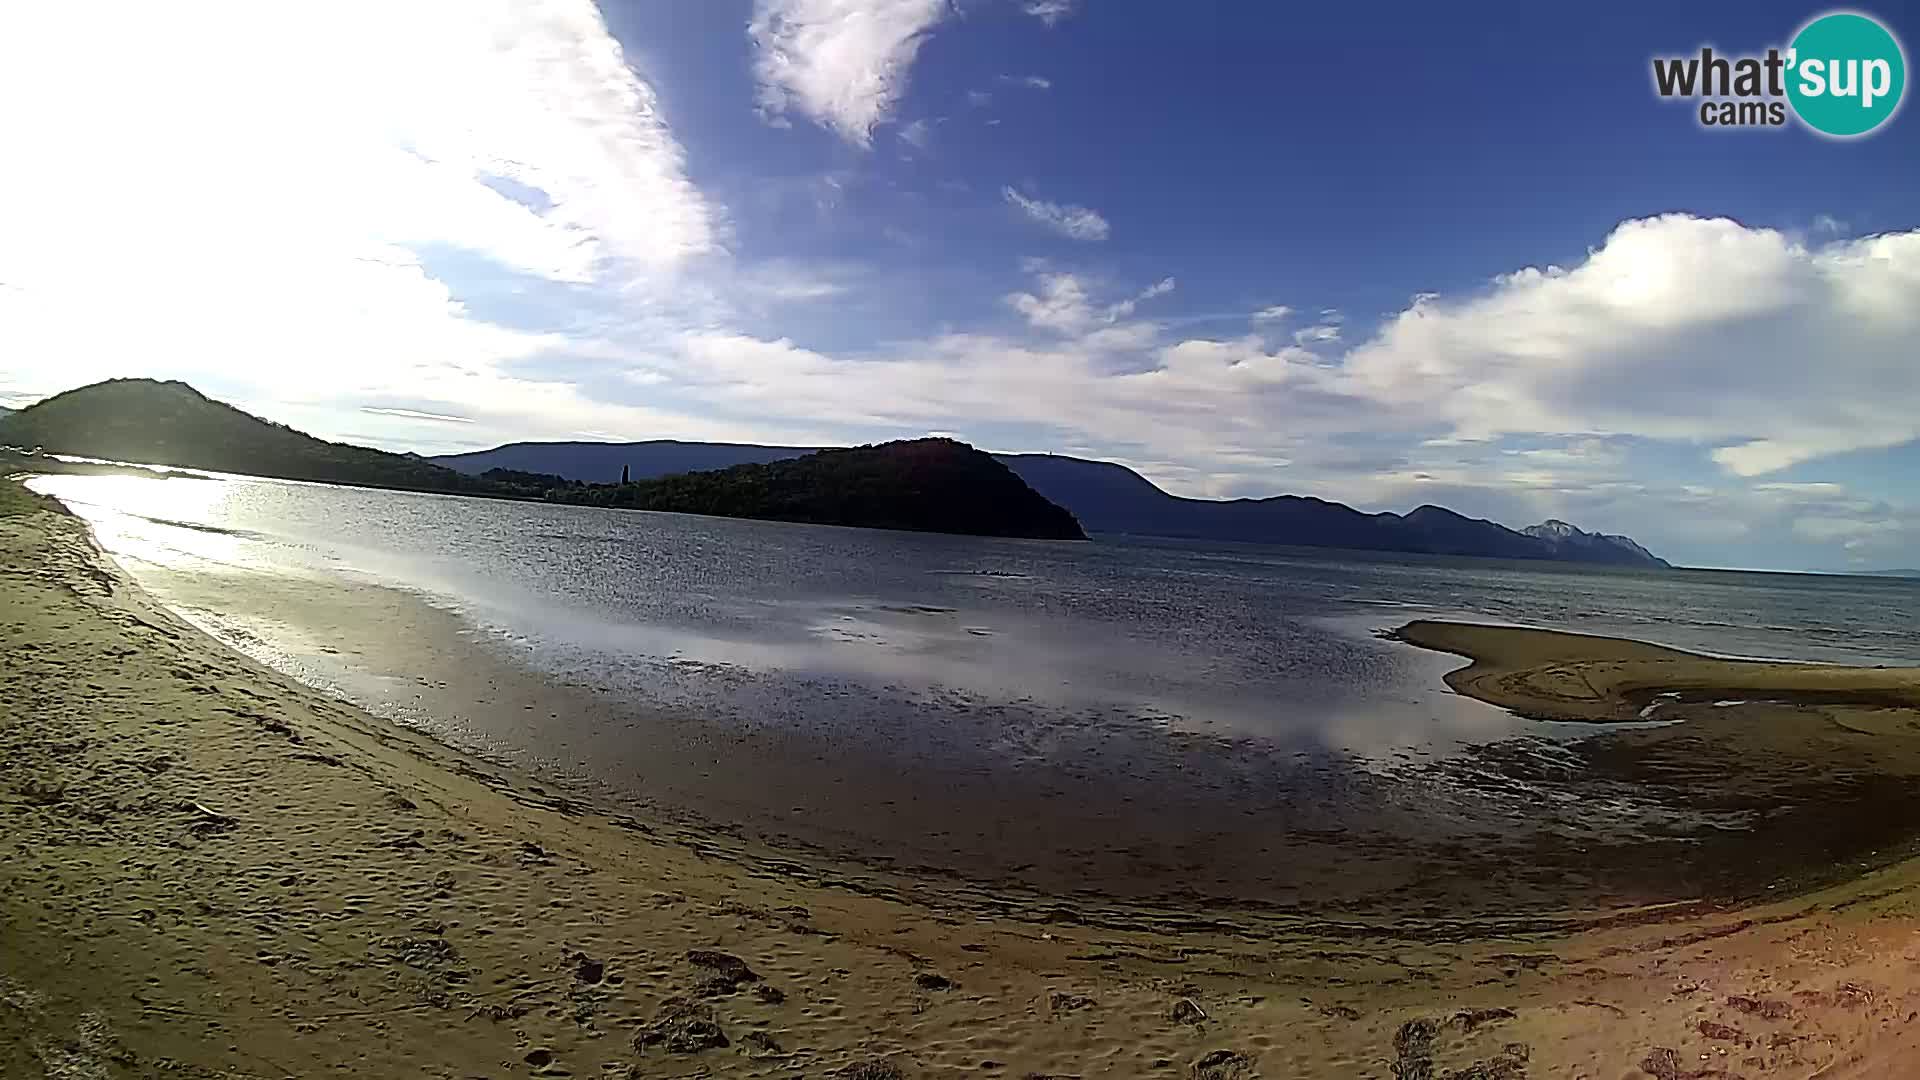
1129 715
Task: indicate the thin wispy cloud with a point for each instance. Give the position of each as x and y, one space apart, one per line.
1064 303
1049 11
843 64
1031 82
417 414
1276 313
918 134
1073 222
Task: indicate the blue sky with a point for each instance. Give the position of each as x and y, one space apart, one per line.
1385 255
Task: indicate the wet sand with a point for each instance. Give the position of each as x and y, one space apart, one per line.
1096 808
1560 676
207 869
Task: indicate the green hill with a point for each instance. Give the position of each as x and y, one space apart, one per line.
924 485
171 423
933 485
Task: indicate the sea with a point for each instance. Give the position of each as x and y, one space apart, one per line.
1125 709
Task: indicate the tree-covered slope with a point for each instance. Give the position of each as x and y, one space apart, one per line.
927 485
171 423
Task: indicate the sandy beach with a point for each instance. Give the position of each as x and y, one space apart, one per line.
209 870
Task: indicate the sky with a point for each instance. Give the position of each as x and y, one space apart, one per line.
1385 255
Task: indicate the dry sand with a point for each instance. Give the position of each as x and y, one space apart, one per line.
209 870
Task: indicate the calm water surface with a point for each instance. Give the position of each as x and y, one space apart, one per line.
1170 666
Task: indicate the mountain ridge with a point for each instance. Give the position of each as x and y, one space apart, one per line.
917 485
1107 497
925 484
171 423
937 485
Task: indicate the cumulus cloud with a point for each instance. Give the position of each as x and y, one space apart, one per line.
1073 222
495 189
1518 401
841 63
1748 340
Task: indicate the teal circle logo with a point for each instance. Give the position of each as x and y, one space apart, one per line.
1846 74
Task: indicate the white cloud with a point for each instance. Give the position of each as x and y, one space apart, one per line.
417 414
1073 222
318 241
182 200
1031 82
842 63
1061 304
1064 304
1519 402
918 134
1049 11
1678 328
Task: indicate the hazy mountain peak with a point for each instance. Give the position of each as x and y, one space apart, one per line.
1605 547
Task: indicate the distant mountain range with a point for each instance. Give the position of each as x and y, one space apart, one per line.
931 484
1111 498
927 484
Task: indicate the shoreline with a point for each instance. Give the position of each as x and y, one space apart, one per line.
1559 676
212 870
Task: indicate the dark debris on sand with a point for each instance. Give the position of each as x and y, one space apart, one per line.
721 973
1413 1050
1223 1065
681 1027
874 1069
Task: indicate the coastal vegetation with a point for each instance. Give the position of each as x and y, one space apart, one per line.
171 423
1108 497
925 485
931 485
